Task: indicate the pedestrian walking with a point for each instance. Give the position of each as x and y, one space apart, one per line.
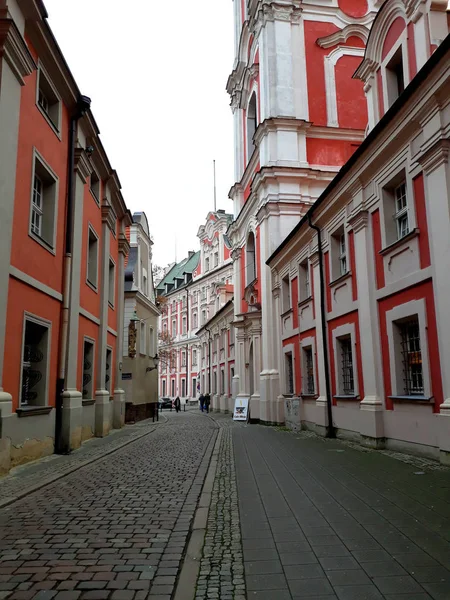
207 402
202 401
177 404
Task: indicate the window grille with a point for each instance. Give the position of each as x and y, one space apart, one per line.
289 374
411 358
342 255
401 211
348 383
307 284
37 206
31 373
309 371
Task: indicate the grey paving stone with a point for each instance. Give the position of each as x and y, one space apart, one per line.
261 554
371 555
310 587
303 572
298 558
331 551
423 596
263 566
358 592
415 560
295 547
397 585
255 544
266 582
352 577
324 540
385 568
338 562
277 594
430 574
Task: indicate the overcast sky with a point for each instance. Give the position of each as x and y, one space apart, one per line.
156 73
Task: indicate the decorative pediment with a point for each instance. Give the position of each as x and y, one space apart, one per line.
252 298
341 37
14 50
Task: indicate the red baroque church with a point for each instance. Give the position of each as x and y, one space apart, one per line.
341 218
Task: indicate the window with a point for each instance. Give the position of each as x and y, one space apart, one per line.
203 317
401 211
174 329
88 362
183 388
286 293
44 195
206 264
411 357
395 80
216 259
252 124
184 325
47 100
108 370
203 293
338 254
111 282
222 381
173 388
195 297
289 373
195 320
250 255
92 258
183 359
144 282
164 387
95 185
215 382
194 358
194 387
142 339
308 379
34 363
304 281
347 387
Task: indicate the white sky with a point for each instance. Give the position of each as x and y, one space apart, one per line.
156 73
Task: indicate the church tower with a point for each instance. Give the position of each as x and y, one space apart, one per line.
298 116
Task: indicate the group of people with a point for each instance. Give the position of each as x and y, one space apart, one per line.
205 401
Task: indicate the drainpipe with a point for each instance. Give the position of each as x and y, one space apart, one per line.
83 105
210 363
331 433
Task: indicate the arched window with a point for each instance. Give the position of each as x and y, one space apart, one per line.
252 124
251 258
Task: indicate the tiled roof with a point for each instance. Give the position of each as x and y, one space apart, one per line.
187 265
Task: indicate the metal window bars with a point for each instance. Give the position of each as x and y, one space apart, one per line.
289 374
348 382
309 372
411 358
30 376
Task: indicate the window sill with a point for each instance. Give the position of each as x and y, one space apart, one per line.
305 301
341 278
413 399
92 286
42 243
111 306
286 312
410 236
32 411
346 397
88 402
309 396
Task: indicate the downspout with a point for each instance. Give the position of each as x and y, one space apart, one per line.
83 104
331 433
209 359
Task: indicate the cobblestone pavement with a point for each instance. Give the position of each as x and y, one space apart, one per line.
115 529
222 567
27 478
325 521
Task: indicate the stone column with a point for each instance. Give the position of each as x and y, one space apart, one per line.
321 401
372 426
102 422
277 414
72 407
16 63
119 394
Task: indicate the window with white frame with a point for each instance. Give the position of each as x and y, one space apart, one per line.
111 282
48 100
88 369
108 370
286 293
194 358
194 320
35 358
339 262
151 348
183 359
203 317
304 281
222 381
251 258
412 383
92 258
252 124
308 372
206 264
396 209
216 259
95 185
184 325
44 198
395 77
174 329
289 373
345 365
142 339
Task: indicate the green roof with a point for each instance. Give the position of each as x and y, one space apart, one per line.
187 265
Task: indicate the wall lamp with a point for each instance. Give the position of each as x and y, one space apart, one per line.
155 362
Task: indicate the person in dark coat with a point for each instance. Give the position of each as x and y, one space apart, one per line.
177 404
207 402
202 401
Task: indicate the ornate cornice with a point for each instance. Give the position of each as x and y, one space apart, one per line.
82 164
435 156
340 37
359 220
15 51
124 246
108 215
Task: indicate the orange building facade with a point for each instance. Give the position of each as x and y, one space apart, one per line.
62 250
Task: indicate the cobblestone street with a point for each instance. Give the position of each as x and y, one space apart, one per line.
291 517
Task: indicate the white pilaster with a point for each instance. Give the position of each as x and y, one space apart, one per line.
119 393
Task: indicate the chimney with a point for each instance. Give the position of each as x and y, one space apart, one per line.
191 253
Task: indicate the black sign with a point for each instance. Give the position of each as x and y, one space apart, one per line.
127 376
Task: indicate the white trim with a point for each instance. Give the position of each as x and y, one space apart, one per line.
50 247
330 62
402 42
56 127
112 331
31 281
27 316
402 311
88 315
345 330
